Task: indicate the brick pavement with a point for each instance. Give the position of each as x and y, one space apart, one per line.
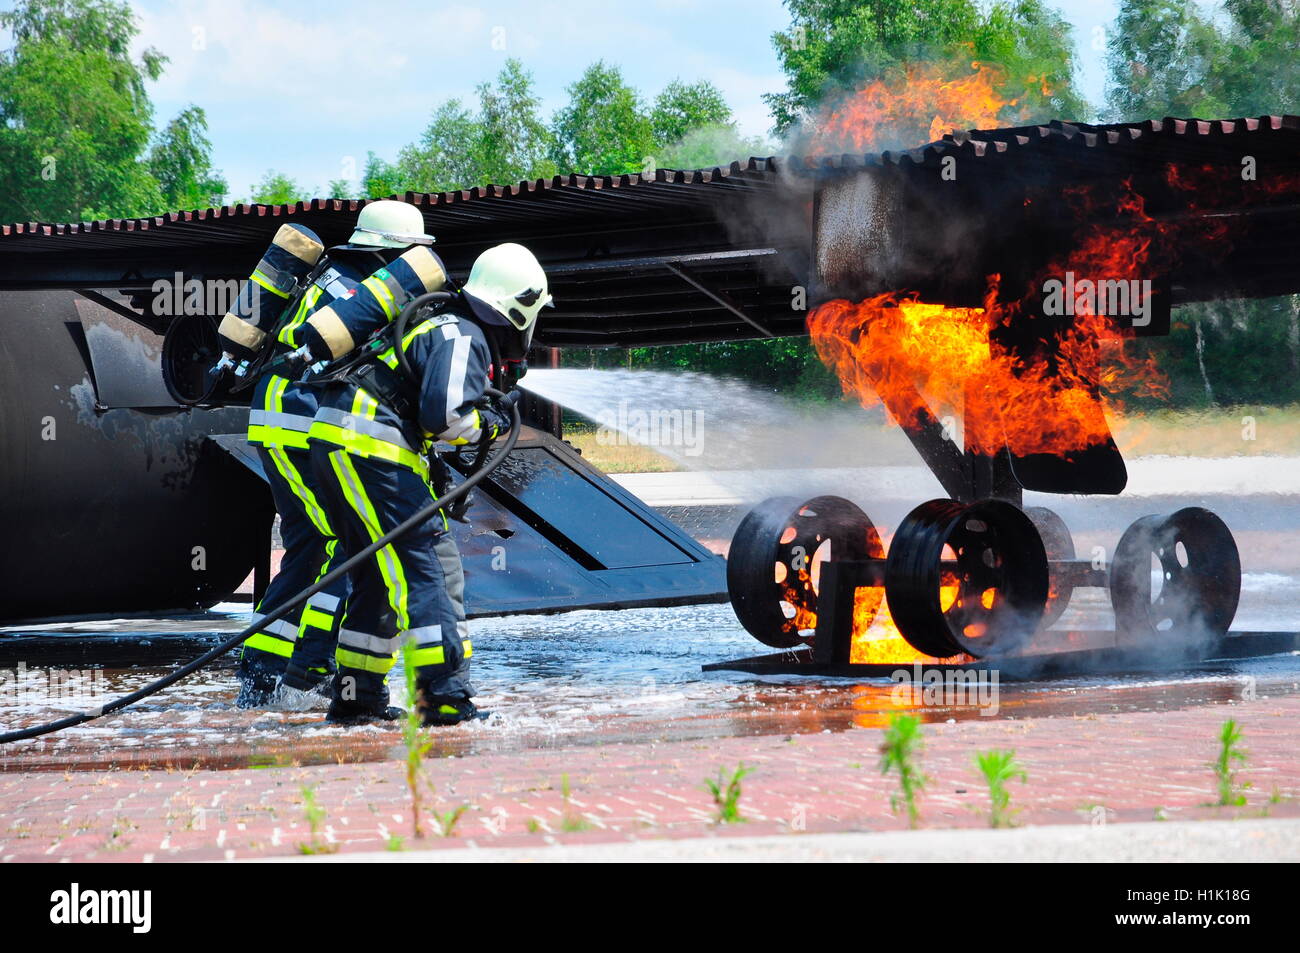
1121 767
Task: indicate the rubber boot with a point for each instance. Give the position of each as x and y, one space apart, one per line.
259 673
350 713
442 710
308 679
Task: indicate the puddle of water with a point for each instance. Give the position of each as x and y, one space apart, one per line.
584 677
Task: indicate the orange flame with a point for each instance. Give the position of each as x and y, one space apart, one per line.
920 358
876 638
925 105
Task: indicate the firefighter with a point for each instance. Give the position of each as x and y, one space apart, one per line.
352 290
369 443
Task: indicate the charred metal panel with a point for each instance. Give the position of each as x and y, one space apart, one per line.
109 510
547 531
125 358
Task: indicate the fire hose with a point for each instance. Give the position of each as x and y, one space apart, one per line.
485 467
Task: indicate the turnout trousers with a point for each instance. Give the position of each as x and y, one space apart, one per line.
411 591
306 636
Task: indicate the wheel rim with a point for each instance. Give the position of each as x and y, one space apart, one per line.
190 348
1176 574
773 566
1059 545
966 578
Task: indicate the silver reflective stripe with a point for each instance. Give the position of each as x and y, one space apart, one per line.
371 643
324 601
281 629
398 237
425 634
467 428
459 368
453 579
364 425
278 418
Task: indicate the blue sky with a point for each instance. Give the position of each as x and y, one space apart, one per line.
308 87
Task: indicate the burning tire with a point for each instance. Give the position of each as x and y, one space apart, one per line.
1059 545
775 558
1179 574
967 578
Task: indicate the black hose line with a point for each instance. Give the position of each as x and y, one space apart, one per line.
260 622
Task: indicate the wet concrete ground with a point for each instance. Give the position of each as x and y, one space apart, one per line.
617 704
577 678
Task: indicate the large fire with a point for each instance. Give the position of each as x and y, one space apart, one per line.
919 358
924 104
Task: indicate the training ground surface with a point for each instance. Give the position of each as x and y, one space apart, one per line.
616 704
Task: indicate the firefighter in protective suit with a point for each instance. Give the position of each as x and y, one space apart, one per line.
350 291
369 443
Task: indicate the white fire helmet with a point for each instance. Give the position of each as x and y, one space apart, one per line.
510 280
390 224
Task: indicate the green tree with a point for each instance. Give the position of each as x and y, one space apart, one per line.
513 142
835 47
276 188
380 179
684 107
604 130
1158 60
1166 58
503 142
75 119
180 161
693 128
441 161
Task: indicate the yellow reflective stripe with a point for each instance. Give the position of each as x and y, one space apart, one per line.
301 490
389 357
305 306
390 566
258 278
366 446
269 643
434 655
366 663
275 393
317 617
382 295
468 647
310 614
363 405
277 437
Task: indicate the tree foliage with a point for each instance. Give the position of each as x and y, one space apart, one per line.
1167 58
180 163
76 123
835 47
605 129
503 141
276 188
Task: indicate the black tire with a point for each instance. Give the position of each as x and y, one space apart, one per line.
999 572
1201 583
770 562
